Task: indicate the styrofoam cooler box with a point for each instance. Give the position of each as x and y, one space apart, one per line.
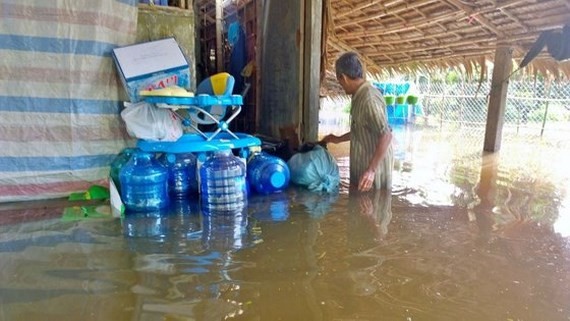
151 65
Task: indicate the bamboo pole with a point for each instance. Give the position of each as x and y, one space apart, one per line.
259 10
219 47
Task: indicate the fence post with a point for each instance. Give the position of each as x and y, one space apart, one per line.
549 86
517 88
462 104
442 106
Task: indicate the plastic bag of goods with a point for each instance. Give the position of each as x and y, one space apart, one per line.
315 169
146 121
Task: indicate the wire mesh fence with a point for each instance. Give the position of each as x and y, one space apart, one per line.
534 111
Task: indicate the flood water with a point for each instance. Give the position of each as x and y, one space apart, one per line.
462 236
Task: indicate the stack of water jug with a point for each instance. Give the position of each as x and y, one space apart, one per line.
151 181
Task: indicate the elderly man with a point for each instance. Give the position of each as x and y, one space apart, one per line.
371 156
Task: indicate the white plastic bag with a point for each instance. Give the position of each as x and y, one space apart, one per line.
146 121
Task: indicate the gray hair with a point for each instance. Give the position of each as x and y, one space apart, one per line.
349 64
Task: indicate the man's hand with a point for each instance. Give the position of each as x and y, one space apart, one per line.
366 181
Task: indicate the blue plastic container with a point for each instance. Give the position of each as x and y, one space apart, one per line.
267 173
182 181
144 183
120 160
223 183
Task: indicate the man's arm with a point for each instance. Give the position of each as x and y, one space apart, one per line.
330 138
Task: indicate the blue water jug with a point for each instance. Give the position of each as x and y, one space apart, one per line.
144 183
181 174
223 183
267 173
118 162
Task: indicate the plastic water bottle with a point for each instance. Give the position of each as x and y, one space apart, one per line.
144 183
120 160
223 183
267 173
181 174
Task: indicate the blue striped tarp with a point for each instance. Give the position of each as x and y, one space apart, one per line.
60 96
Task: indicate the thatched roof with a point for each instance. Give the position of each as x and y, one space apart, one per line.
404 35
411 35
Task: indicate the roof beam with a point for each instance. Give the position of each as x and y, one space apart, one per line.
468 41
402 27
425 22
442 57
477 16
364 5
386 12
515 19
436 36
342 46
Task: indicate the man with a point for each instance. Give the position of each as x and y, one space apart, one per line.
371 156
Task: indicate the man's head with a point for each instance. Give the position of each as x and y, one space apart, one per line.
349 72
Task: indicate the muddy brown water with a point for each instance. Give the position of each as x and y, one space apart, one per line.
462 236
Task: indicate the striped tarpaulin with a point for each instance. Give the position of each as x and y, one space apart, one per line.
60 96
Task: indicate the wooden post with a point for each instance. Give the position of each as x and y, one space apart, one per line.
219 47
259 10
498 98
281 66
311 70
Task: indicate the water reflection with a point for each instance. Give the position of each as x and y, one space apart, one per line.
272 207
372 213
224 231
284 267
185 264
315 204
145 224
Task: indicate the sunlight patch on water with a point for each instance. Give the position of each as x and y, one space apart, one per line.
562 223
